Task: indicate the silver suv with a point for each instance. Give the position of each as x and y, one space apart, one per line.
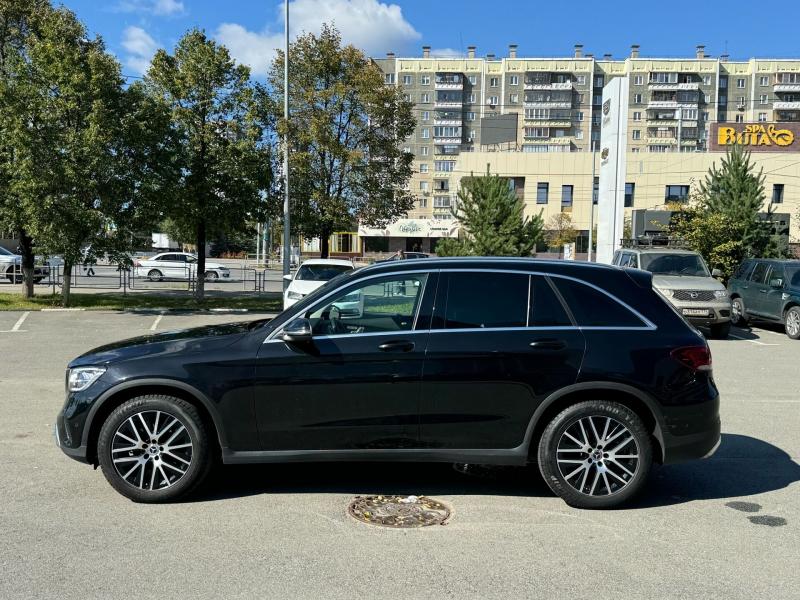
683 278
11 267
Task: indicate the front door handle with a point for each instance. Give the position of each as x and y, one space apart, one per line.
396 346
763 291
548 344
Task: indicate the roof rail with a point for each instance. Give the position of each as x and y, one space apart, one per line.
661 241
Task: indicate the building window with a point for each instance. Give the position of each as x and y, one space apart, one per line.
635 150
578 134
637 98
637 134
637 116
566 195
513 80
763 80
777 193
446 166
472 97
705 116
388 78
423 167
595 190
740 101
663 77
425 80
423 202
514 98
542 189
579 116
493 101
723 83
425 98
739 118
423 186
762 117
740 84
407 97
630 188
494 81
706 79
597 100
423 151
580 79
426 133
598 81
426 115
721 117
470 116
441 202
676 193
723 100
638 80
407 80
473 79
762 99
537 132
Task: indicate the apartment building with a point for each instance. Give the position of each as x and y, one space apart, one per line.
470 107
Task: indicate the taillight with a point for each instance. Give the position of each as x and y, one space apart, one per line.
697 358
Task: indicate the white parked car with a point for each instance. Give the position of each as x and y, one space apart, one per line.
311 275
11 267
177 265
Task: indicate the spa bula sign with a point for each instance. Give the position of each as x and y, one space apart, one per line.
758 137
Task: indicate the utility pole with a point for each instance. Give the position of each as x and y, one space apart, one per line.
591 206
287 238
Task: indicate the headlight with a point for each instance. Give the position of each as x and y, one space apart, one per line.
721 294
294 295
667 293
223 268
82 377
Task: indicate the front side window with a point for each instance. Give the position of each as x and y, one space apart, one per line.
593 308
759 273
483 300
373 306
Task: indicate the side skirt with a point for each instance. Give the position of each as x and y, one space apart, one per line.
509 456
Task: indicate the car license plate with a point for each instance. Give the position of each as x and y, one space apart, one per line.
695 312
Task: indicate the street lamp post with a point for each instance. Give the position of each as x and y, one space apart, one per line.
287 239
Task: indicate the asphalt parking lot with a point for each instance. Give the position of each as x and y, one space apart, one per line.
724 527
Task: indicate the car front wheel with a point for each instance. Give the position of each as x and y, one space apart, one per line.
738 314
793 323
154 449
154 275
595 454
212 275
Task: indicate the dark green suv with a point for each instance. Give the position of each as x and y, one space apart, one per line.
768 290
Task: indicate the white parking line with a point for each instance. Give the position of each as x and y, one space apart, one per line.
18 324
156 322
736 337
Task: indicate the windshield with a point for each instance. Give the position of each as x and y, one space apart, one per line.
5 252
320 272
691 265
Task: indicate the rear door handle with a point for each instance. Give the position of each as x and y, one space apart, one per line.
396 346
548 344
763 291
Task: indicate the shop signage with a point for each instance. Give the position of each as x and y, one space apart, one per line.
758 137
422 228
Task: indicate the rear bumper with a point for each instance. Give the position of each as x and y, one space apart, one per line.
691 432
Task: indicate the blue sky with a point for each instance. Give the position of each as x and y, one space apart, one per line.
134 29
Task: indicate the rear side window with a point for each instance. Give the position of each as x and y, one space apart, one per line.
593 308
759 273
546 309
486 300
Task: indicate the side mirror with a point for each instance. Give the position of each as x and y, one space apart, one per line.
288 277
776 283
297 331
716 273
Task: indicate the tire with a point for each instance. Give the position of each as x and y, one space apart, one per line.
155 275
38 280
588 484
792 323
142 470
738 313
720 331
211 276
12 277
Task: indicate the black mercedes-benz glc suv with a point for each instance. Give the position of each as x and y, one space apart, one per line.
580 368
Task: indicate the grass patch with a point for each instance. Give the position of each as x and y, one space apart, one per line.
267 302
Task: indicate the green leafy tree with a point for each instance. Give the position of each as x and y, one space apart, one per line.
560 230
714 235
346 130
493 222
223 158
89 153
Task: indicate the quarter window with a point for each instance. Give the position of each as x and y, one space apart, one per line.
593 308
546 309
482 300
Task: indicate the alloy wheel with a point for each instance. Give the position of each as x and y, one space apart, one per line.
597 456
152 450
738 311
793 323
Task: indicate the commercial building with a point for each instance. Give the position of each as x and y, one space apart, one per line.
537 121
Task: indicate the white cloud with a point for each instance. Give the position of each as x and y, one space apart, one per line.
446 52
375 27
140 47
161 8
168 7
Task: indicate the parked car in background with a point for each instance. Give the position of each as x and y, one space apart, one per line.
580 368
768 290
312 274
11 267
682 276
177 265
404 256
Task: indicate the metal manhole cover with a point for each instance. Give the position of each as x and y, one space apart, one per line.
399 511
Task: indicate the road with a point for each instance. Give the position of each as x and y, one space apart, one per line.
724 527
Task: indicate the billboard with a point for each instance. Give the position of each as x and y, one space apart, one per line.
757 137
613 167
423 228
499 129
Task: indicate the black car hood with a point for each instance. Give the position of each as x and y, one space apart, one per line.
197 339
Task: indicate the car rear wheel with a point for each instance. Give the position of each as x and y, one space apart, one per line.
792 323
720 331
154 449
738 314
154 275
13 277
595 454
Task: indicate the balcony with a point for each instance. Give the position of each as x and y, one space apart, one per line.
564 86
794 105
549 141
548 104
656 104
549 122
692 87
446 121
787 87
446 140
448 103
448 85
661 141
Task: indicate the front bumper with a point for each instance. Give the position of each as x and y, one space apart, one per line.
704 313
63 437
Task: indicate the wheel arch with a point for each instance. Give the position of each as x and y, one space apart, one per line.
788 306
638 401
121 393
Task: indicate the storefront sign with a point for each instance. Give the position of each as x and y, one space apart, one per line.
422 228
758 137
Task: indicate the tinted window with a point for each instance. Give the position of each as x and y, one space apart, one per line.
320 272
478 300
759 273
546 309
675 264
793 275
5 252
593 308
743 270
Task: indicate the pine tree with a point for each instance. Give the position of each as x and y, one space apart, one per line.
736 192
492 218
